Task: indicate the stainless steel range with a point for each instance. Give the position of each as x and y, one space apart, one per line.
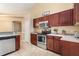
41 38
41 41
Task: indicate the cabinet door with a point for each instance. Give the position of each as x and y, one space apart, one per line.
36 21
57 44
76 12
74 49
54 19
34 39
50 43
17 42
44 18
65 50
66 18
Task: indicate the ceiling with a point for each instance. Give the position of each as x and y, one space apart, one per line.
15 8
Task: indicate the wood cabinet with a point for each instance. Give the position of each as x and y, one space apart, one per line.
34 39
69 48
65 48
54 19
76 12
17 42
53 43
40 19
50 43
66 18
44 18
35 22
74 50
56 44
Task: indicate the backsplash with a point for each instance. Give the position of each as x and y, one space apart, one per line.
67 29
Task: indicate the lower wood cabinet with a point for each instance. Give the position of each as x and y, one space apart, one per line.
69 48
50 43
34 39
57 44
65 48
53 43
17 40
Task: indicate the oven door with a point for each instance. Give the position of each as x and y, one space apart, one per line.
41 39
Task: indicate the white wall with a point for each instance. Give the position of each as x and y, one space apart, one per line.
27 28
6 26
39 8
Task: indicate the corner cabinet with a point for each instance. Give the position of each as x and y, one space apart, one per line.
35 21
34 39
17 42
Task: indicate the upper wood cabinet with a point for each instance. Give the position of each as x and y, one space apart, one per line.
45 18
76 12
40 19
66 18
35 21
54 20
34 39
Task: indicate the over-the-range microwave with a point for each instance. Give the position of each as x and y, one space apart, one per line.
43 24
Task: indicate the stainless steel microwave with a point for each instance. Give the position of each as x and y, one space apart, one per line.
43 24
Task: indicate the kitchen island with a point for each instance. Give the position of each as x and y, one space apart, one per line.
9 42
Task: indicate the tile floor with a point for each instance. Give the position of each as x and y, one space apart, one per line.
31 50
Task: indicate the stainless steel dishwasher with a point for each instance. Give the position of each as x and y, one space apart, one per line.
7 45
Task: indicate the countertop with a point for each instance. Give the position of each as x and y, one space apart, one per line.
11 34
71 38
34 33
6 37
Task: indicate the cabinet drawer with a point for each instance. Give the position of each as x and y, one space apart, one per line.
57 37
49 37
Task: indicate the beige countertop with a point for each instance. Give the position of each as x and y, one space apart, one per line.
34 33
70 38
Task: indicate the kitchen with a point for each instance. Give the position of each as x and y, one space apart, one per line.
42 29
58 32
